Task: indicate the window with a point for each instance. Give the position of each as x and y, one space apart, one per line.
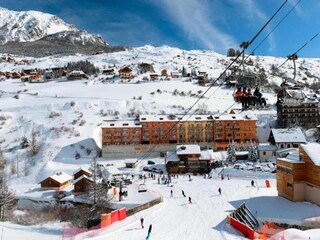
264 153
289 185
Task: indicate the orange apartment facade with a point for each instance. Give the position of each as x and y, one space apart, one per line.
206 130
298 175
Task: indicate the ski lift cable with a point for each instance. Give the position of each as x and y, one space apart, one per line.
247 44
295 53
288 13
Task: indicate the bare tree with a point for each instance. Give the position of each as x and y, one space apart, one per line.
34 147
7 198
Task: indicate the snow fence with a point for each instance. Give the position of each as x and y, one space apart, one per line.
72 233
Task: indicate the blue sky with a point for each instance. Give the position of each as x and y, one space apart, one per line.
190 24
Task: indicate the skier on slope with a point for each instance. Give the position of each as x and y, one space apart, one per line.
149 232
219 190
183 193
141 221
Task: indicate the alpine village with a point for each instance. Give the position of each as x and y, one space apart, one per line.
114 142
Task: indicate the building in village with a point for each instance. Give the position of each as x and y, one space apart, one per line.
189 158
266 152
298 174
125 73
57 181
80 172
81 184
295 109
134 137
287 137
76 75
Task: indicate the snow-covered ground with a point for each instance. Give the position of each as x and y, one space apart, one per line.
66 115
205 218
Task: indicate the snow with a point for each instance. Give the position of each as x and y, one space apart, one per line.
293 135
61 137
187 149
312 150
61 177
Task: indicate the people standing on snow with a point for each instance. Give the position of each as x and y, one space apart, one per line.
252 183
219 190
190 200
141 221
183 193
171 193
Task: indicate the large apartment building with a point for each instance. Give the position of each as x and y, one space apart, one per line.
134 137
295 109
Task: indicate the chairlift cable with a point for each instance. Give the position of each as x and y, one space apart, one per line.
148 153
273 29
295 53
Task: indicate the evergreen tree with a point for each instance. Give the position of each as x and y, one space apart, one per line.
24 142
184 72
231 151
253 156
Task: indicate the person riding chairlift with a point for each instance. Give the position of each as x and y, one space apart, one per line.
252 100
241 96
260 100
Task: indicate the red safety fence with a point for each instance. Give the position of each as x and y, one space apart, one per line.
76 233
122 214
247 231
114 216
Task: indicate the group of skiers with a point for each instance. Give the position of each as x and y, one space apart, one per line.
247 98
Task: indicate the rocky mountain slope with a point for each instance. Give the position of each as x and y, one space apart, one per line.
37 34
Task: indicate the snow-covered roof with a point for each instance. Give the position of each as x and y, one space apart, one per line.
173 118
288 135
266 147
244 115
206 155
188 149
77 72
241 153
313 151
292 157
81 168
121 124
81 177
110 171
60 177
172 157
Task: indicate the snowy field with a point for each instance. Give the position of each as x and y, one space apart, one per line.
65 113
205 218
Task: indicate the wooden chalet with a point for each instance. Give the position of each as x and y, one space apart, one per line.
164 72
108 72
174 74
80 172
81 184
298 174
189 158
30 77
154 76
76 75
125 73
57 181
16 75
